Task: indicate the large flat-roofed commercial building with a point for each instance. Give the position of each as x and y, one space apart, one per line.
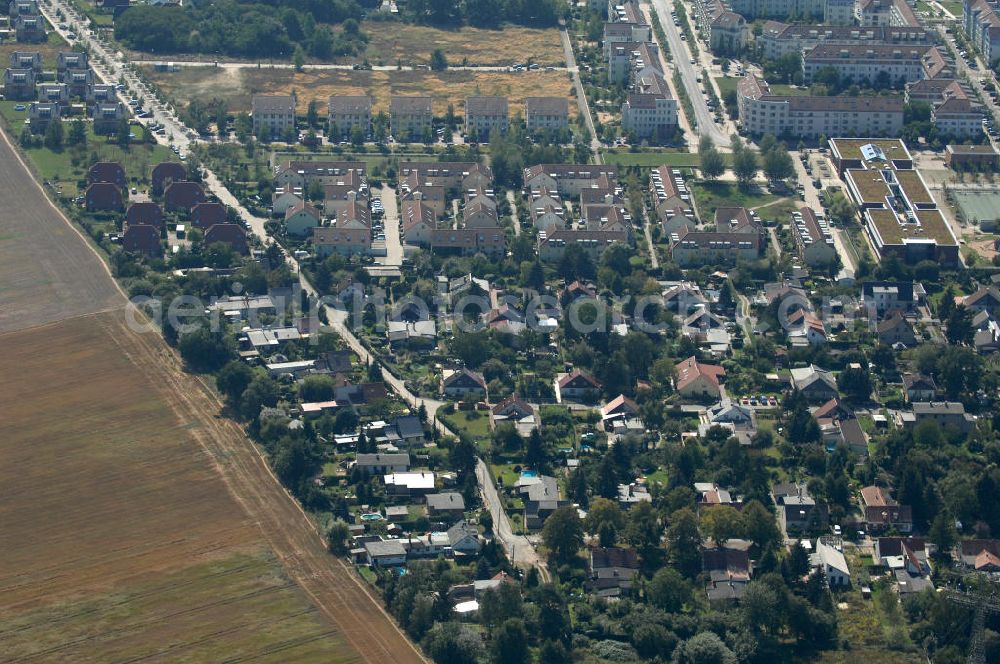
868 62
810 117
901 218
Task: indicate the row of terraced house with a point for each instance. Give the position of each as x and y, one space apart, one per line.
411 118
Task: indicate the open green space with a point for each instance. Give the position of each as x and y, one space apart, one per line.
652 159
712 195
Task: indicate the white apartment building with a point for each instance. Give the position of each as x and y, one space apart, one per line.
812 117
345 112
866 62
272 115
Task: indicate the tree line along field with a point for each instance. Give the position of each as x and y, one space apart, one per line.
120 538
237 86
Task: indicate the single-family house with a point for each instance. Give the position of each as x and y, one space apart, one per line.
164 173
577 385
882 512
143 240
814 383
206 215
182 196
232 235
381 464
463 383
106 171
385 553
797 509
919 387
697 380
541 498
610 570
829 558
103 197
449 506
896 330
144 213
464 540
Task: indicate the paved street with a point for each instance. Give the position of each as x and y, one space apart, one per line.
682 60
391 227
581 96
812 201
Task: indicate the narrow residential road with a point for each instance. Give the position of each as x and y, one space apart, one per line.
581 95
391 227
513 212
519 549
654 260
690 135
682 60
812 201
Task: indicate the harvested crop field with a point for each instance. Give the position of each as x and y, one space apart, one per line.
47 273
390 42
120 538
137 522
237 86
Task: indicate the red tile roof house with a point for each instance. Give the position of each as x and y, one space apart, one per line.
141 239
104 197
206 215
106 171
183 196
698 380
167 170
231 234
146 214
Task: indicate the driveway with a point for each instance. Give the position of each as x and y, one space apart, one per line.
581 96
812 201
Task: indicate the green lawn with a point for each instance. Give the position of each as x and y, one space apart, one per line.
712 195
954 7
477 426
651 159
68 167
726 84
788 90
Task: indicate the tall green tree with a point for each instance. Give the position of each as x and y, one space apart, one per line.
563 534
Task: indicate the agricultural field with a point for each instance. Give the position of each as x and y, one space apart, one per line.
408 44
46 271
137 522
237 86
120 538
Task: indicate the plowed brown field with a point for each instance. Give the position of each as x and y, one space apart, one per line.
135 522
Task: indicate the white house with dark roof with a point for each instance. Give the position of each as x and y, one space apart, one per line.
546 114
273 115
463 383
345 112
485 114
